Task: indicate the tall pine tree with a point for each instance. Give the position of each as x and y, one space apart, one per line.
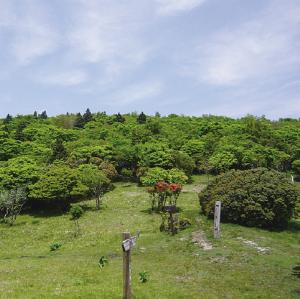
142 118
87 116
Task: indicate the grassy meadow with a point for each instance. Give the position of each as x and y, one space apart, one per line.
178 267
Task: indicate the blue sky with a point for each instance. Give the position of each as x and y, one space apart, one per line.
194 57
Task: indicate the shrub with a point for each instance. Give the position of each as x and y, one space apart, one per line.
76 212
11 204
157 174
257 197
55 246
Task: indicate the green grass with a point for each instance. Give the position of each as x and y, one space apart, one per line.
177 267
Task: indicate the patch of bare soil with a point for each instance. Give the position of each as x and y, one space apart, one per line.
200 239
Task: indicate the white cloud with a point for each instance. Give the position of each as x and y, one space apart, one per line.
110 35
172 7
33 41
67 78
137 92
263 47
31 34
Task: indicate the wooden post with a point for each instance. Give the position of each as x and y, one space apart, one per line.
126 271
292 178
217 220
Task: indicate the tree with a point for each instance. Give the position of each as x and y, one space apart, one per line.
87 116
142 118
185 162
10 148
18 171
76 212
19 131
296 168
11 203
79 122
58 150
119 118
43 115
58 184
8 119
35 114
95 180
152 154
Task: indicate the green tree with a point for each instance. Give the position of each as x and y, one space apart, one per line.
59 184
76 212
95 180
58 150
142 118
184 161
11 204
119 118
79 121
87 116
43 115
19 171
152 154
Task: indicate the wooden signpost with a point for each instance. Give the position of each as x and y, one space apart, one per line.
127 244
217 219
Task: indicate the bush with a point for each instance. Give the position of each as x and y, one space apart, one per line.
257 197
153 175
55 246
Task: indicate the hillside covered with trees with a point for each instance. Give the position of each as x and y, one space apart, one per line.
73 156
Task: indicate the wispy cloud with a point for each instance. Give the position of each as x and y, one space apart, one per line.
137 92
109 37
266 45
66 78
173 7
31 33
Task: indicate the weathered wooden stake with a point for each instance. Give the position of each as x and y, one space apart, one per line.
292 178
217 220
126 270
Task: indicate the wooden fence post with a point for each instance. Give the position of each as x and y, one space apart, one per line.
126 271
217 220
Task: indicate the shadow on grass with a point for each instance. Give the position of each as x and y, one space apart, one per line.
155 211
294 226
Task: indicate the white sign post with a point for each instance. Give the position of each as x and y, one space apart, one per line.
217 219
292 178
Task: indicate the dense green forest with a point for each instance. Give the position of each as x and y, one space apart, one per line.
73 156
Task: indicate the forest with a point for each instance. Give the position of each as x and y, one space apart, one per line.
57 160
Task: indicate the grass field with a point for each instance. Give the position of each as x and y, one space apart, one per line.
178 268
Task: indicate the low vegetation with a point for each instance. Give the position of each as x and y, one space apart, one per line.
177 267
256 197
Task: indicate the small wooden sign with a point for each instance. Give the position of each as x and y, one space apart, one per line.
129 243
170 209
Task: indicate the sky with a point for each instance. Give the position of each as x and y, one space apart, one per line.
192 57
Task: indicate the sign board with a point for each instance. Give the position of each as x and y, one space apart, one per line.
129 243
170 209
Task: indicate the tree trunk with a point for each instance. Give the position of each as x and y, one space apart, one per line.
98 201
